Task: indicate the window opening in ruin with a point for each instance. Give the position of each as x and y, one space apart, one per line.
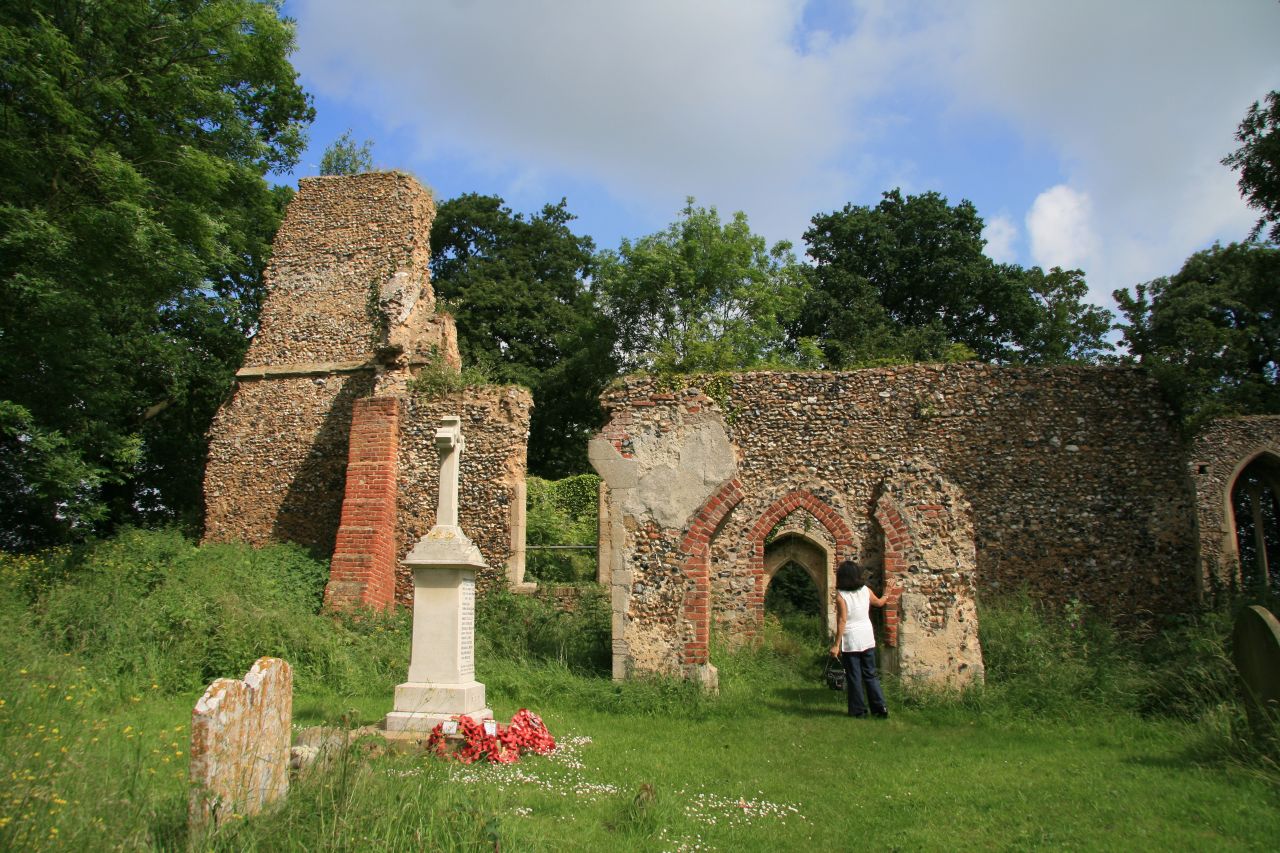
1255 506
793 599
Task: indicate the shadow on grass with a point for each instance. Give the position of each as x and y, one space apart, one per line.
1210 752
807 701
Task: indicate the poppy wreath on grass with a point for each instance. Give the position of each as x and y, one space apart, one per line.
526 733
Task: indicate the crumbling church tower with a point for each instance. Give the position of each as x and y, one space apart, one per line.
325 441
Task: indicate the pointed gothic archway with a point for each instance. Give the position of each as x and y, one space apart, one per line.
818 558
1252 512
812 556
696 547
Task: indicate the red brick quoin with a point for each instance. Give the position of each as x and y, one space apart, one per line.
897 544
696 548
362 573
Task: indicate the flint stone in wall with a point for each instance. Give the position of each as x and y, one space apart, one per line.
348 265
278 461
495 423
1075 475
240 741
349 302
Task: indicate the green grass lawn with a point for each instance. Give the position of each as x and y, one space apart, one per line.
776 768
1083 738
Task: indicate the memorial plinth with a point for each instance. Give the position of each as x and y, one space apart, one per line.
442 683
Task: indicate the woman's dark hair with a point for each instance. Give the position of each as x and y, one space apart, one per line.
849 576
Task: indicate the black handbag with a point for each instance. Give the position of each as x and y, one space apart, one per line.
834 674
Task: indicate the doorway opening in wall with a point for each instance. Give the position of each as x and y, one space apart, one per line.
1255 507
793 599
797 591
561 523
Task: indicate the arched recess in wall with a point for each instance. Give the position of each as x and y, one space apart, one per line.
707 523
808 552
1252 514
696 566
765 559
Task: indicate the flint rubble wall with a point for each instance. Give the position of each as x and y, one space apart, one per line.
1074 476
349 315
495 426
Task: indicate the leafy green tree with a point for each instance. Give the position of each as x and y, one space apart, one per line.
907 279
516 286
701 295
346 157
1066 327
134 225
1210 333
1258 161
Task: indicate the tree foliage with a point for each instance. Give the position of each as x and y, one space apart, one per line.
347 157
1210 333
701 295
907 279
562 512
134 226
515 285
1258 161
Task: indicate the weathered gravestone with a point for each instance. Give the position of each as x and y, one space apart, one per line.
442 683
1256 642
240 739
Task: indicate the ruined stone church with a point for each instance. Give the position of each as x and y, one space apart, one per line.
948 482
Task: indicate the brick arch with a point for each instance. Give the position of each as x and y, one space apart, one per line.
831 520
696 548
897 542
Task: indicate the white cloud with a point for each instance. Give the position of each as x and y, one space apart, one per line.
1061 230
655 100
1136 103
1139 100
1000 233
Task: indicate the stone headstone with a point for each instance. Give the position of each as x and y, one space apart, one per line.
1256 649
240 740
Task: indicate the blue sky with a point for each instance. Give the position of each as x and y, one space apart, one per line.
1088 133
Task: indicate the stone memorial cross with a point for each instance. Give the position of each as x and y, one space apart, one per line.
442 683
450 443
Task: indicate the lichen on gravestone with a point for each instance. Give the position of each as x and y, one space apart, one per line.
240 742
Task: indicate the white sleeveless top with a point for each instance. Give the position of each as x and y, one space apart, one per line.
858 635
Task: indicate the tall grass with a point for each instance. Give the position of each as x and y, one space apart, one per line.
151 608
523 628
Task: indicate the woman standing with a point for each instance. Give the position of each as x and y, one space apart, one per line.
856 642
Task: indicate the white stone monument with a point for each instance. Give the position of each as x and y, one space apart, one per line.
442 682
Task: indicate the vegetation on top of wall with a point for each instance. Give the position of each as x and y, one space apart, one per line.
345 156
438 379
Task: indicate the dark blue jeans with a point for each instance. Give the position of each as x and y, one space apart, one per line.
859 670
